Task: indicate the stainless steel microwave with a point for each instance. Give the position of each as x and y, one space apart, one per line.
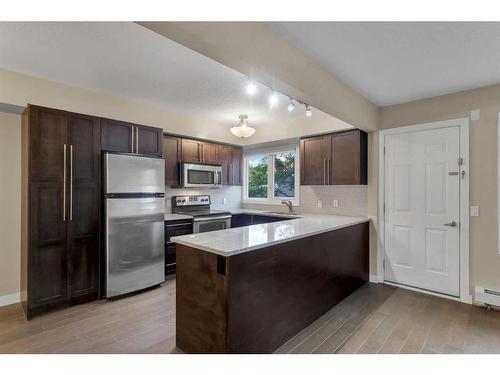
199 175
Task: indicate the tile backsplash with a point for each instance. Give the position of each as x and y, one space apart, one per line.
232 195
352 199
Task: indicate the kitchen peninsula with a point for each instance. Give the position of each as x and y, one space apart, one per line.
250 289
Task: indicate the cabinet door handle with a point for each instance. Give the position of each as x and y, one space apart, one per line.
132 135
324 171
328 166
137 140
70 182
64 183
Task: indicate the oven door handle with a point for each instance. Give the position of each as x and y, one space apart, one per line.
212 218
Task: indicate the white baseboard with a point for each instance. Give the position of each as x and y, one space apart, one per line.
373 279
9 299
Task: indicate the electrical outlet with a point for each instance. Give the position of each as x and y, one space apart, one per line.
320 203
335 203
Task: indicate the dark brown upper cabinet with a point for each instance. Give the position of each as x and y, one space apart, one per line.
230 158
149 140
225 160
334 159
172 153
209 153
60 215
349 161
191 151
120 136
236 165
314 155
199 151
117 136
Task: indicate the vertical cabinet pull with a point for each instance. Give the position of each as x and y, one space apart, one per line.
136 140
64 183
132 136
324 171
328 166
70 182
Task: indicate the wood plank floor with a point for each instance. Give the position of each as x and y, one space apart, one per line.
375 319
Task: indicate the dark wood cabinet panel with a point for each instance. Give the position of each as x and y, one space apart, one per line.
209 153
83 224
314 154
191 151
225 159
149 140
348 165
334 159
47 140
172 153
117 136
241 220
47 246
236 166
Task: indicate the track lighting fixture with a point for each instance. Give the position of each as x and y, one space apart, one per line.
251 88
273 99
308 110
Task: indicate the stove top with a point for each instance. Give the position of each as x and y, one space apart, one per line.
196 206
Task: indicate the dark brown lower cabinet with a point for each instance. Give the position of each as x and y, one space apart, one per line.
60 209
256 301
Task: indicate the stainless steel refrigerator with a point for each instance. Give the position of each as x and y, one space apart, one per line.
134 196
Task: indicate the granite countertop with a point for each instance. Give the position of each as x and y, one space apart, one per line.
240 240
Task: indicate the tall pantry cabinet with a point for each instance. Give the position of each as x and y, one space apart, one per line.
60 209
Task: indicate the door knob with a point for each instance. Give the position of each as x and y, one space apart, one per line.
452 224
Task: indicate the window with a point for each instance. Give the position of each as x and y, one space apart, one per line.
271 177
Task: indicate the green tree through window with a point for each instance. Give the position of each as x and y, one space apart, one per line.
257 177
284 175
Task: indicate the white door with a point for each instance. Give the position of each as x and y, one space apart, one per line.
422 205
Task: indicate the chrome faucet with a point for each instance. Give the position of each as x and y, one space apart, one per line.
289 205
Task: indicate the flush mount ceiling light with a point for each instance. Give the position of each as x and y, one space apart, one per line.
251 88
242 130
290 106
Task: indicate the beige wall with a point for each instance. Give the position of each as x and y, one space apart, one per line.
484 256
10 203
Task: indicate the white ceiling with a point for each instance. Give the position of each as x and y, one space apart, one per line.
396 62
125 59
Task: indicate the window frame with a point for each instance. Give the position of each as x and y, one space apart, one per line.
271 199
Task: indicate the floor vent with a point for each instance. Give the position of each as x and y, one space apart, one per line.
487 297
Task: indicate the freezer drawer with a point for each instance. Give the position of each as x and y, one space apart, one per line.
135 255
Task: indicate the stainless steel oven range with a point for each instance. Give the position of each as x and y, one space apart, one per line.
204 218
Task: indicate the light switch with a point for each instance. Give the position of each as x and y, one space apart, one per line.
474 210
223 200
475 114
320 203
335 203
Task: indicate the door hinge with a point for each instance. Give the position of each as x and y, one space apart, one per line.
460 161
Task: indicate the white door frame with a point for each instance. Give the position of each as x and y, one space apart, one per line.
463 124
